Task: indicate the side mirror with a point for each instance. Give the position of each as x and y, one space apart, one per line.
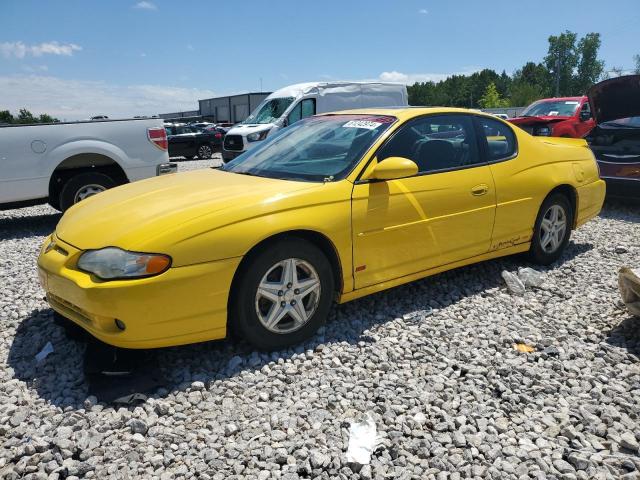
584 116
392 168
285 122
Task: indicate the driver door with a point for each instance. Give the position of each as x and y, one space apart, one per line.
442 215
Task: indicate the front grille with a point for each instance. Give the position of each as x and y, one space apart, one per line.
68 307
233 142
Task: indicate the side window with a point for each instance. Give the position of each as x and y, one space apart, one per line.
295 114
435 142
501 141
308 107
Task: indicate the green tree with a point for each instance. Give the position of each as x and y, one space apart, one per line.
589 68
6 117
492 99
25 116
45 118
561 61
523 94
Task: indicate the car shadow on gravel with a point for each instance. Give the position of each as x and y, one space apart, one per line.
350 323
618 209
15 228
626 335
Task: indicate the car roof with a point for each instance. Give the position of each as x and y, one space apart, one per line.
403 113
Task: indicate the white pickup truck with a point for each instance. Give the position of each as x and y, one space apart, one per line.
63 163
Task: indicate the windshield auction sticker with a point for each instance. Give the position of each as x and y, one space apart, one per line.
362 124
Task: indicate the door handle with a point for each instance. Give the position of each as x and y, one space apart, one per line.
481 189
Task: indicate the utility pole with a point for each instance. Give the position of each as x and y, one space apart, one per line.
260 84
558 65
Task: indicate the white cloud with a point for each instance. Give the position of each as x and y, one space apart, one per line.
21 50
423 11
144 5
78 99
190 47
411 78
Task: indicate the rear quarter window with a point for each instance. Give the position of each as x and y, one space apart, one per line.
500 139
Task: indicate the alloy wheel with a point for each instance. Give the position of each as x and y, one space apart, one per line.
288 295
553 228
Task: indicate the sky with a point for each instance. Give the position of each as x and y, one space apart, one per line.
78 58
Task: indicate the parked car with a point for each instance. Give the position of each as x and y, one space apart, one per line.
63 163
615 140
189 141
295 102
336 206
557 117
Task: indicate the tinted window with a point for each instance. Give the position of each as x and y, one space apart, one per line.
308 107
294 115
437 142
501 141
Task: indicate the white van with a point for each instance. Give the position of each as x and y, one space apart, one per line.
290 104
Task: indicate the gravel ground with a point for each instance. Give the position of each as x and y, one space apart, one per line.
433 362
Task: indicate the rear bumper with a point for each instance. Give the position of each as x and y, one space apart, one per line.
590 200
624 188
183 305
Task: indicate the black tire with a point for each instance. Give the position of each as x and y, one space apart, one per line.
189 157
537 252
205 151
243 317
69 195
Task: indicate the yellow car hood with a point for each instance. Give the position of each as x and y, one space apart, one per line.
163 211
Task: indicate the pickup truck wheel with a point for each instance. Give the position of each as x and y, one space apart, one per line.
204 152
82 186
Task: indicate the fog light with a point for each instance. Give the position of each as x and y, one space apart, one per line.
120 324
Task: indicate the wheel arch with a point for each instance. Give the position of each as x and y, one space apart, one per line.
315 238
570 192
81 163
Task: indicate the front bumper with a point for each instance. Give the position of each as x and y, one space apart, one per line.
182 305
166 168
228 155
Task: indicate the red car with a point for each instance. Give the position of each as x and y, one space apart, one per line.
557 117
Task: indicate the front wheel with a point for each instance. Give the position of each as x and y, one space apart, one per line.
552 230
84 185
204 152
283 295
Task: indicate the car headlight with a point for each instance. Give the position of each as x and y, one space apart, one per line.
544 131
114 263
257 136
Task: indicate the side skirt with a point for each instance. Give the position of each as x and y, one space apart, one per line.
378 287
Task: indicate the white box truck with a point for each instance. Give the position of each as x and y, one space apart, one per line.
63 163
290 104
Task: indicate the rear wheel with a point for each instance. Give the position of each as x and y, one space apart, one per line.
552 229
204 152
83 185
283 295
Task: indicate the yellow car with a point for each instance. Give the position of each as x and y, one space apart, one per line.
332 208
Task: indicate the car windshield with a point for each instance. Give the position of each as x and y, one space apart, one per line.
556 108
269 110
629 122
315 149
